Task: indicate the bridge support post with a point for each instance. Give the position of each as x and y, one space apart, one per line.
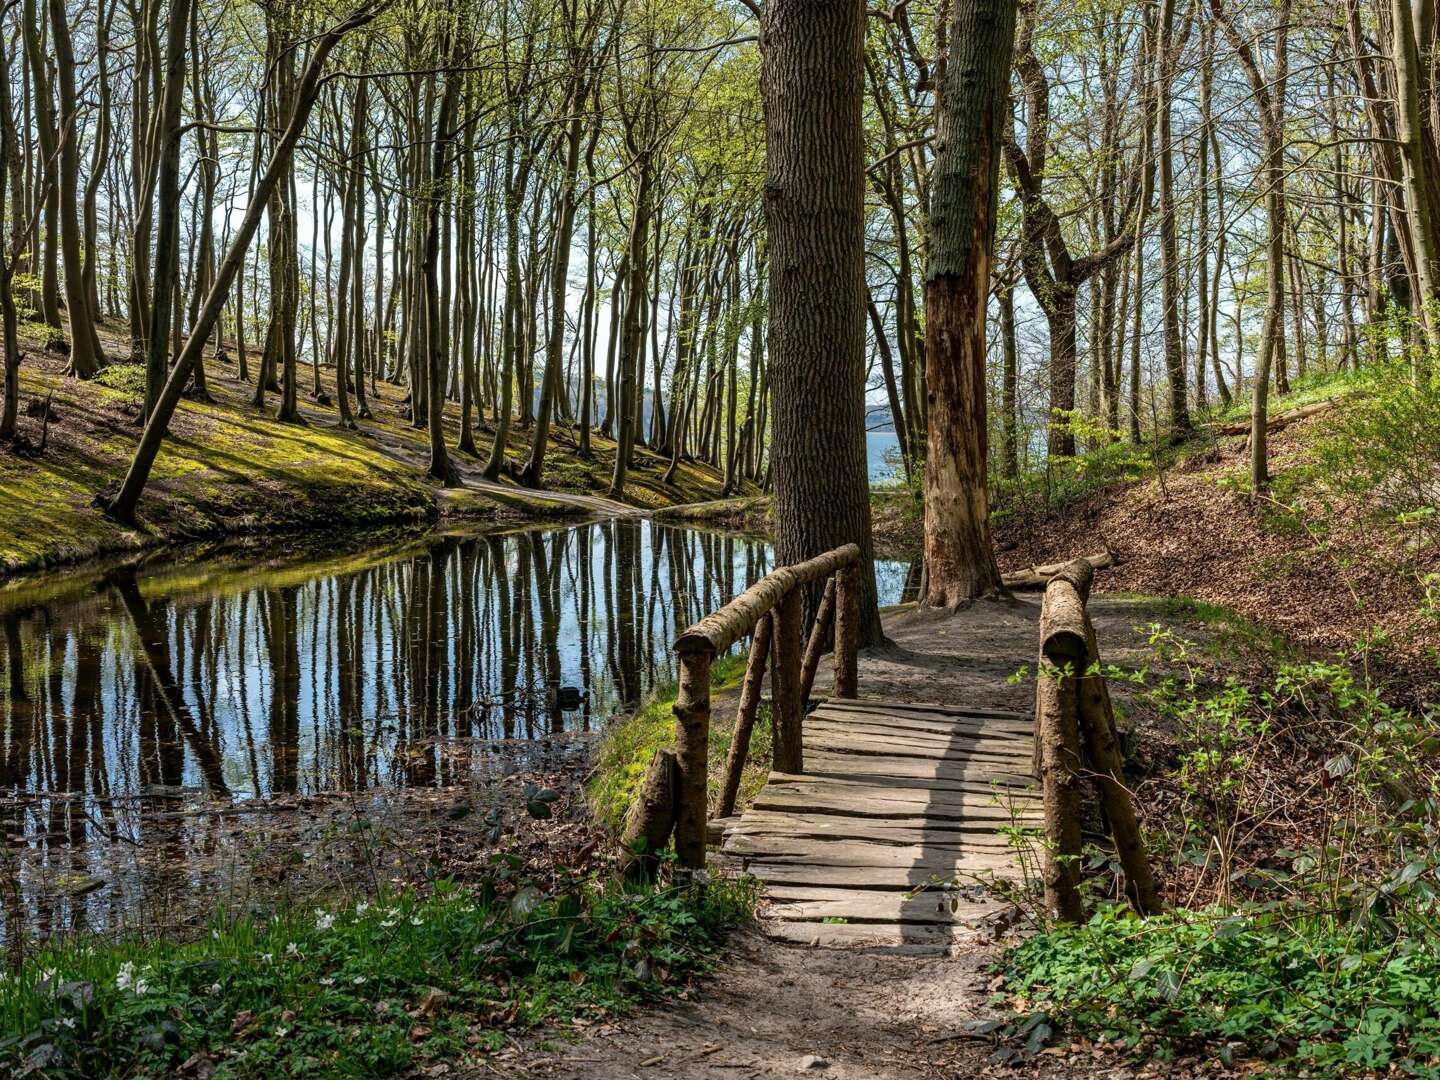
847 631
786 707
692 745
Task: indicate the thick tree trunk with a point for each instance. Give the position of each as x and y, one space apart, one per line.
959 551
811 82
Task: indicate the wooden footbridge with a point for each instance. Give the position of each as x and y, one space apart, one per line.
884 823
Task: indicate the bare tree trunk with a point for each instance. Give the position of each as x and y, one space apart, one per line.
959 551
812 74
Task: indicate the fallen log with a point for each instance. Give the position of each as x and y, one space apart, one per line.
1037 577
1281 420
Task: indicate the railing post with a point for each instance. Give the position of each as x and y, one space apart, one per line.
786 707
823 618
847 631
745 717
692 745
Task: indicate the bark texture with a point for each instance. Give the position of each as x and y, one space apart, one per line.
812 74
959 551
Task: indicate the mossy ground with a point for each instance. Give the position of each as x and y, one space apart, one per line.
228 468
631 741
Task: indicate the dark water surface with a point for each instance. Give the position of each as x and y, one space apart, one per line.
232 679
326 676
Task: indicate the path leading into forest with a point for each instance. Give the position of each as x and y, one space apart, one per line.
856 1011
414 453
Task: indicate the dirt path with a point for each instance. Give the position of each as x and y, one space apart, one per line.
774 1009
471 475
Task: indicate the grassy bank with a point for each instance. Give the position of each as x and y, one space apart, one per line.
373 989
228 468
630 742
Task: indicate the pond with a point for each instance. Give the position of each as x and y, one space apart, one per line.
417 664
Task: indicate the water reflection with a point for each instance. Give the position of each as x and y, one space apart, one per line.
381 670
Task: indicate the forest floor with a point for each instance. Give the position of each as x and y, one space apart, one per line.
776 1009
1321 572
227 468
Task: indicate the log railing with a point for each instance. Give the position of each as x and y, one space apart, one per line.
1075 739
676 786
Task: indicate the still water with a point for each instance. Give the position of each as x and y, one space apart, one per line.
177 732
343 674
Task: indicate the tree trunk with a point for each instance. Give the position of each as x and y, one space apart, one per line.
959 551
811 84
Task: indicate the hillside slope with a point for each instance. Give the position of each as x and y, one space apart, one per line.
227 468
1311 561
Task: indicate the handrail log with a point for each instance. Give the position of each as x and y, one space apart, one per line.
772 603
720 629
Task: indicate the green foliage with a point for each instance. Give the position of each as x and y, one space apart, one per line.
1309 990
1110 459
365 991
123 384
1384 448
1323 955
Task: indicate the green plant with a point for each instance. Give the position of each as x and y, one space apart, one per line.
630 742
367 990
1281 985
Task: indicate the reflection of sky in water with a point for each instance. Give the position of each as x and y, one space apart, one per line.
348 675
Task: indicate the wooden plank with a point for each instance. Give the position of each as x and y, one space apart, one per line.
878 907
873 830
822 762
955 739
926 708
907 722
880 746
946 861
896 786
980 809
887 878
914 938
961 808
956 743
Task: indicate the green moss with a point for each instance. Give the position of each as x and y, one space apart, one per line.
630 742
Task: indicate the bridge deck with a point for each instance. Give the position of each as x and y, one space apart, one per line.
890 835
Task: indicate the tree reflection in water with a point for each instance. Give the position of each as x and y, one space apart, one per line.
126 689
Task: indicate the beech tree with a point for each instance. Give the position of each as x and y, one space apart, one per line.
812 85
964 193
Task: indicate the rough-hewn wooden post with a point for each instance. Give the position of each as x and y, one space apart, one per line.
1057 733
745 717
811 662
692 743
847 631
786 706
651 818
1097 718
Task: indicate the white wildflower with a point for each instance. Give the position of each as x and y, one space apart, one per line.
292 949
416 920
327 980
387 923
214 988
267 957
281 1032
125 977
358 980
323 920
362 907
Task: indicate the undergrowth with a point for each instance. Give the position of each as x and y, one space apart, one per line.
369 990
631 741
1298 812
